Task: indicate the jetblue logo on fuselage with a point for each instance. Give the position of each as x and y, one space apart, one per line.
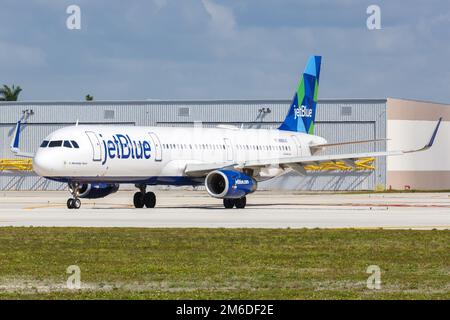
302 112
123 147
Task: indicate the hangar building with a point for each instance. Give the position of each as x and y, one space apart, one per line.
403 121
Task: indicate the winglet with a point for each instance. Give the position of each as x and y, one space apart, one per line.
431 142
15 141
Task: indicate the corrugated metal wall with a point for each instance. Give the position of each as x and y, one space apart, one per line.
337 120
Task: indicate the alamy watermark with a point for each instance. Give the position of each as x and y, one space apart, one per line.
374 20
374 280
73 21
74 280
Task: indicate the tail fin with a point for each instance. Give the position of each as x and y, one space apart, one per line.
302 112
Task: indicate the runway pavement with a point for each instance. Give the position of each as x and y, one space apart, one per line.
264 210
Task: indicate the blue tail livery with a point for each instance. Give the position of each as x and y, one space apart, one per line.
301 114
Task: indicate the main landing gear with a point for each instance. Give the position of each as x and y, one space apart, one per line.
238 203
74 202
143 198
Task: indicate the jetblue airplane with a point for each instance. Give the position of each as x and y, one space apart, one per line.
229 161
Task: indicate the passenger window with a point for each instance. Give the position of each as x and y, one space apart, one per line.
75 144
67 144
54 144
44 144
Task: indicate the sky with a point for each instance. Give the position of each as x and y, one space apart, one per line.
216 49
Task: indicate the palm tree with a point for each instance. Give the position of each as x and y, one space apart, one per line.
9 94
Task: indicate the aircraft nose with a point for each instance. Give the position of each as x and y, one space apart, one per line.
43 164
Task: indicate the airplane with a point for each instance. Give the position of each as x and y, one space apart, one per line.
229 161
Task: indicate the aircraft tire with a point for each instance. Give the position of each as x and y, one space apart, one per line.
228 203
138 200
70 203
240 203
76 204
150 200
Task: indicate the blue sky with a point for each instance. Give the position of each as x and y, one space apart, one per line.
214 49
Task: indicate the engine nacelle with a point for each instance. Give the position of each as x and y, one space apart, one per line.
97 190
229 184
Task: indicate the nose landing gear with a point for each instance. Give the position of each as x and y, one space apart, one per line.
143 198
75 202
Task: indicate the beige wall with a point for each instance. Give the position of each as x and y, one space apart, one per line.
410 124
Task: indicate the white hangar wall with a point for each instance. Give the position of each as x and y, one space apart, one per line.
410 124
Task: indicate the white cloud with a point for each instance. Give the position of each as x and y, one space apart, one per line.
222 18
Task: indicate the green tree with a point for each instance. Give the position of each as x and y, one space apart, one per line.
9 94
88 97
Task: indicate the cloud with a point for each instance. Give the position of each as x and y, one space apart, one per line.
222 18
224 49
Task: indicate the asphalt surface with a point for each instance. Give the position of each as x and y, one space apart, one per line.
183 208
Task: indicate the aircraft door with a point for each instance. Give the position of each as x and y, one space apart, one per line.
298 145
228 149
157 144
96 146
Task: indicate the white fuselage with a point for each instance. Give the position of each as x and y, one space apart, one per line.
159 155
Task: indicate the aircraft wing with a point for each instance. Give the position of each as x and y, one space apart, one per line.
297 163
202 169
316 147
15 144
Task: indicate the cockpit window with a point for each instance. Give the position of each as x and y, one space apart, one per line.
67 144
56 143
44 144
75 144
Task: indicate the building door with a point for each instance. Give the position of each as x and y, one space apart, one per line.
96 147
228 149
157 144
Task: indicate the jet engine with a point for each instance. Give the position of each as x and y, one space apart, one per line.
97 190
229 184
